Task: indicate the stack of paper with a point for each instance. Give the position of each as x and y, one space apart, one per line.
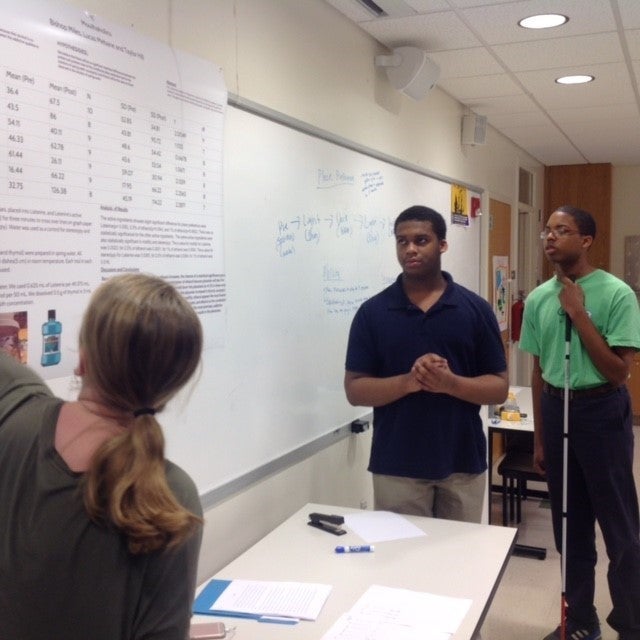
258 599
380 526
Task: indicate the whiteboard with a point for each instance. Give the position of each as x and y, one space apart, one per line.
308 236
114 145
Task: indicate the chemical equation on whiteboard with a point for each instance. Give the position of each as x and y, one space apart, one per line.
311 230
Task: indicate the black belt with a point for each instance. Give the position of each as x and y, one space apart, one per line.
579 393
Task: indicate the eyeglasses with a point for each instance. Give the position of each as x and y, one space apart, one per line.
558 232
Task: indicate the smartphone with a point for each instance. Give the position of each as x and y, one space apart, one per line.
207 631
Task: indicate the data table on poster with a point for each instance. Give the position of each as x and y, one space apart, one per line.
113 163
72 144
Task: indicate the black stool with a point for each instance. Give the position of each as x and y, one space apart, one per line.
516 469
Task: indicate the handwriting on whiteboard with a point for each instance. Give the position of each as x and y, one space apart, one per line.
311 230
368 181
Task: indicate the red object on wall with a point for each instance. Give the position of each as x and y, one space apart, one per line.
475 207
517 311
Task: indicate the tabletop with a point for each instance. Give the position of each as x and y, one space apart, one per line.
455 559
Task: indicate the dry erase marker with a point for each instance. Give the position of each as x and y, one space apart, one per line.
361 548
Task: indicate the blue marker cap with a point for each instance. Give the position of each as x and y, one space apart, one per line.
355 548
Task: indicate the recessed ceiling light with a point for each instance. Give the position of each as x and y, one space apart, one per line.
574 79
543 21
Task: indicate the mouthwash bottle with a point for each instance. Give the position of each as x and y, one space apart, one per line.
51 331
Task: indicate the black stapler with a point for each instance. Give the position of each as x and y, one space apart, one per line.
327 523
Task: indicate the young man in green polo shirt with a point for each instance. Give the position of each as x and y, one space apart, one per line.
605 333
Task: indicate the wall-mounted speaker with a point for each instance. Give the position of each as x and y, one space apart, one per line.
410 71
474 129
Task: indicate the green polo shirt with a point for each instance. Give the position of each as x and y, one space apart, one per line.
613 308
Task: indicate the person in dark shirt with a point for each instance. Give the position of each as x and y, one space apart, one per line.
425 353
99 533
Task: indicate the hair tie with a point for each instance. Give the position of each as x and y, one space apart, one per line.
145 411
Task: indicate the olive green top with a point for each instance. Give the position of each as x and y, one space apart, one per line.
61 575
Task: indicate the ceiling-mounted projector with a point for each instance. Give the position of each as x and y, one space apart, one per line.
410 70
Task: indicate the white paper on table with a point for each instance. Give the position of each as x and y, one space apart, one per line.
301 600
348 627
383 612
379 526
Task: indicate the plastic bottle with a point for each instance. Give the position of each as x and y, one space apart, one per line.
51 331
511 410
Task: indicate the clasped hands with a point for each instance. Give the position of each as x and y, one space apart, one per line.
431 372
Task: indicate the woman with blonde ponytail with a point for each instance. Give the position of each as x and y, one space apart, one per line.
99 533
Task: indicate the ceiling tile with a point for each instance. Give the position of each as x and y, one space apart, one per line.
611 86
465 63
610 113
630 12
440 31
498 24
564 52
480 87
495 68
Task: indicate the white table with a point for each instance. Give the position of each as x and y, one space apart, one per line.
525 425
454 559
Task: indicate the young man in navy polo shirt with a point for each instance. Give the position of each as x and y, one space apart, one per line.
426 353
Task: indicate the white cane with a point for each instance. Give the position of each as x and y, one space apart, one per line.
565 461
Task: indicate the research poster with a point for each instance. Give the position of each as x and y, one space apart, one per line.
112 162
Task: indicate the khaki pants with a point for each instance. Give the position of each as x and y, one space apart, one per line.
458 497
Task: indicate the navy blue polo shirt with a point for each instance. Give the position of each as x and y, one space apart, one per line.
426 435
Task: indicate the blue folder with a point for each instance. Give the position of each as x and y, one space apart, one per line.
207 597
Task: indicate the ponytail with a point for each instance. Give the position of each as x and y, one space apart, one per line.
126 485
141 342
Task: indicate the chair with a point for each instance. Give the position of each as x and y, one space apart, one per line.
516 469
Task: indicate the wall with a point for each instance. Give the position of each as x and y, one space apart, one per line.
625 221
303 58
625 213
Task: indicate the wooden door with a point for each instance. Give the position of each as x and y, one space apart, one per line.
587 186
